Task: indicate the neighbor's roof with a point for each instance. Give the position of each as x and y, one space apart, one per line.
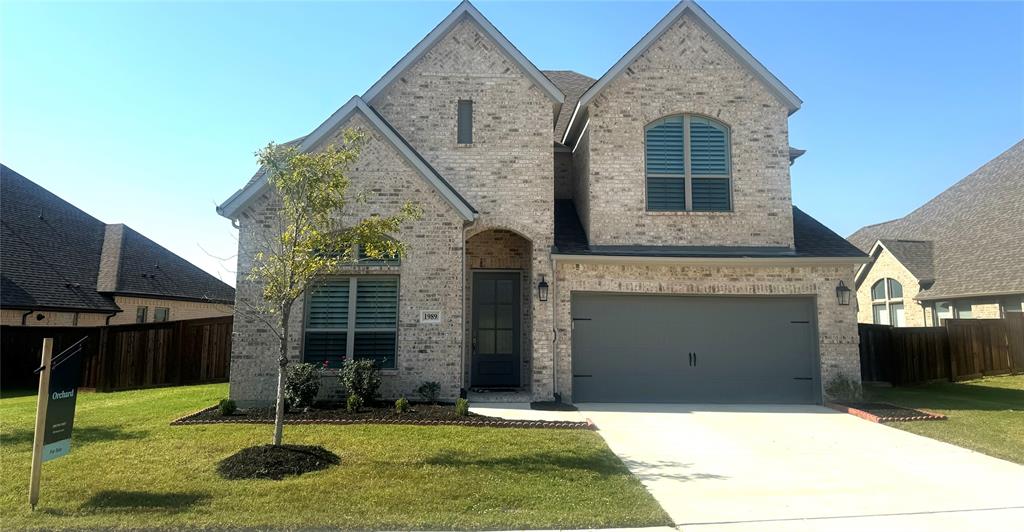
975 227
466 10
573 85
812 240
258 185
731 45
917 256
57 257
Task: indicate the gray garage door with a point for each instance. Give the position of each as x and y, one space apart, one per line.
664 349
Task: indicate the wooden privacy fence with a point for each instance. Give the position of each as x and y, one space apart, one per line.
960 350
125 357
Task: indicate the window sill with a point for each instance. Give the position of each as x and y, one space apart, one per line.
460 145
334 372
690 213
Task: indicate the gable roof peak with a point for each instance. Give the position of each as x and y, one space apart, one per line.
730 44
255 188
465 10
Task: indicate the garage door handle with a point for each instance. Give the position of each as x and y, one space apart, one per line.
577 376
802 378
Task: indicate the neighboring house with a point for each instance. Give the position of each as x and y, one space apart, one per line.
61 267
630 238
961 255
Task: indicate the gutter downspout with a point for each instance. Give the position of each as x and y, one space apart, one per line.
25 316
111 315
465 318
554 330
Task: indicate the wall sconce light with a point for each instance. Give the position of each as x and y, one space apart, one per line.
843 293
542 289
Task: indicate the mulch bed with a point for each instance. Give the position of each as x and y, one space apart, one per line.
885 412
382 413
276 461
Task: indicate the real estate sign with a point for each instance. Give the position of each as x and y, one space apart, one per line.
60 407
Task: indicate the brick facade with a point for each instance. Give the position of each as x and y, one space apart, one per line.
886 266
511 174
686 71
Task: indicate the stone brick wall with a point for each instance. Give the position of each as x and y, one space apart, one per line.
886 266
179 310
687 71
52 319
837 325
563 175
507 174
430 275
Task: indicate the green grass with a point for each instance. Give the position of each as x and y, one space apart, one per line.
129 468
985 415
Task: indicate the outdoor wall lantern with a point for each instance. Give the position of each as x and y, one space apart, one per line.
843 293
542 289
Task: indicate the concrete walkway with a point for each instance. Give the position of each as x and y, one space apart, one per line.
806 468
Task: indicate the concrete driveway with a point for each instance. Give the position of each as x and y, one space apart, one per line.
797 468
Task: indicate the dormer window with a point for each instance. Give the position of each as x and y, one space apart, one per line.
465 122
688 164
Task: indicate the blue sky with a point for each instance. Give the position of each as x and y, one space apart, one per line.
149 113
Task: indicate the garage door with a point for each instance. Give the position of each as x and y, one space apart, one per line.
653 348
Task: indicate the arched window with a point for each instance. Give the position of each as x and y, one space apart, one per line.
688 164
887 303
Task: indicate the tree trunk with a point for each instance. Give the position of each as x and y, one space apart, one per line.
282 362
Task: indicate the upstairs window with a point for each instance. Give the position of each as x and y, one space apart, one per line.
352 318
465 122
688 164
140 314
162 314
887 303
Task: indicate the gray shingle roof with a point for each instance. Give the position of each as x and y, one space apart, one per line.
55 256
975 226
573 85
811 240
916 255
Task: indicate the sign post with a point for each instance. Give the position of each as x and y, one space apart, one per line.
41 402
55 408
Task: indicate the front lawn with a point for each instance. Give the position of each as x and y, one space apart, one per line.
986 415
128 468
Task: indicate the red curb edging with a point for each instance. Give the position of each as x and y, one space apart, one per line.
925 416
190 419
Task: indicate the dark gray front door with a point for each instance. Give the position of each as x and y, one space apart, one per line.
496 329
665 349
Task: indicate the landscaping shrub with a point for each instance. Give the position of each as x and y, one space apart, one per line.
430 391
302 384
401 405
462 407
361 378
354 403
227 407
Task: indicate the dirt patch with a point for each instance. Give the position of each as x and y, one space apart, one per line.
378 413
276 461
885 412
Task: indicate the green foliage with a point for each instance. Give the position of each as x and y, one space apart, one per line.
312 191
430 391
353 403
361 378
462 407
401 405
227 407
302 384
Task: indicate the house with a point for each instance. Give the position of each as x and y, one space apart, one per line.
960 255
61 267
630 238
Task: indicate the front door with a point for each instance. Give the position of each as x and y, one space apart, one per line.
496 329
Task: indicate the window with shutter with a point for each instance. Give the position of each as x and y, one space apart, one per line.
340 326
688 165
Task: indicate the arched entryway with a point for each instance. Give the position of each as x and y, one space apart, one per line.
498 325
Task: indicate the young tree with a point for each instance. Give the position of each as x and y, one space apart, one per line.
311 191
